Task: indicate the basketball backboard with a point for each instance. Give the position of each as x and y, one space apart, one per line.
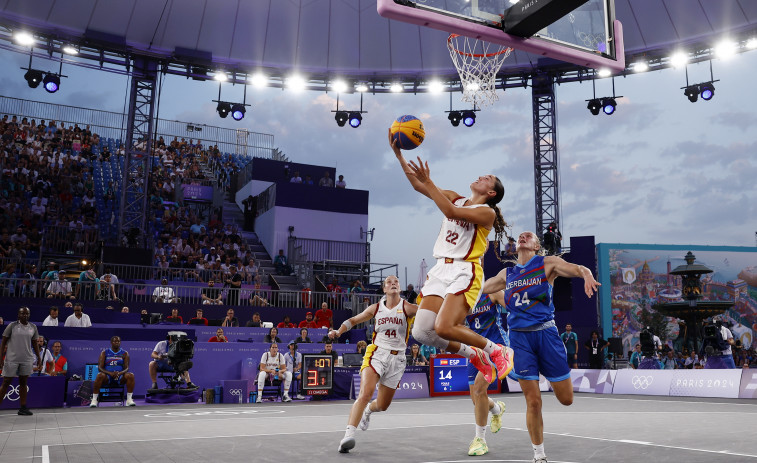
589 36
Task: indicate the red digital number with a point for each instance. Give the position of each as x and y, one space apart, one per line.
451 237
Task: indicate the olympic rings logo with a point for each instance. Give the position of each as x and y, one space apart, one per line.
235 391
641 382
13 393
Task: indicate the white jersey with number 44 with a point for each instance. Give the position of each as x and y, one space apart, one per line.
390 330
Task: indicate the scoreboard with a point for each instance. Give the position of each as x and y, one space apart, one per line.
318 374
449 376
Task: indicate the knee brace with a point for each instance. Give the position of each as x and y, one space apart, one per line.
423 330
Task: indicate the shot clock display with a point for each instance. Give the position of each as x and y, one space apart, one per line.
319 373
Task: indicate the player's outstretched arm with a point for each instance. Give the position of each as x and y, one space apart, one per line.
410 309
417 186
558 267
346 325
483 216
495 283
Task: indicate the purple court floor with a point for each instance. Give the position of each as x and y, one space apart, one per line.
594 429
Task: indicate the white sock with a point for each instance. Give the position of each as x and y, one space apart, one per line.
466 351
495 409
128 395
490 348
481 431
538 451
350 432
94 396
368 410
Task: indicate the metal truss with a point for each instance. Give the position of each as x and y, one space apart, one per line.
138 145
546 166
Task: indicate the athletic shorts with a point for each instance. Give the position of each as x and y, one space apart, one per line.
12 369
454 277
539 352
388 366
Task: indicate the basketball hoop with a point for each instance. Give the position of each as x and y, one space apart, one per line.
477 62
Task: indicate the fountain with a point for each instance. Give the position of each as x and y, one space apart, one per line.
692 310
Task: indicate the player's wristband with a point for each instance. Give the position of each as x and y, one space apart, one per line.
347 325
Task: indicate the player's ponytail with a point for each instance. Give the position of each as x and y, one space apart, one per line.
499 222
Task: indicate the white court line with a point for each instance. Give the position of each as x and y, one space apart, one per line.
45 454
663 399
621 441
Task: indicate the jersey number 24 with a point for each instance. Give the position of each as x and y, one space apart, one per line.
521 300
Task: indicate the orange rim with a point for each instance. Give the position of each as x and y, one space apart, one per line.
473 55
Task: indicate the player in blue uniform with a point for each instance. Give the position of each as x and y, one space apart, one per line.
486 319
113 367
533 334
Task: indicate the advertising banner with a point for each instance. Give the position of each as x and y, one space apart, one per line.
748 389
197 192
643 382
706 383
596 381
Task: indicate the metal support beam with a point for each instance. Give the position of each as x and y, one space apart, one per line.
546 168
138 144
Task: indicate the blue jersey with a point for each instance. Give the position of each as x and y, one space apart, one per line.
486 319
528 295
114 361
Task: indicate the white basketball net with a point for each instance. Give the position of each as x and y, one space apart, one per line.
477 62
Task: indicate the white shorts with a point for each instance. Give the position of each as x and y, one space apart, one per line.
11 369
450 276
389 366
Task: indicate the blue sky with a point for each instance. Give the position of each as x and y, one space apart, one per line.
660 170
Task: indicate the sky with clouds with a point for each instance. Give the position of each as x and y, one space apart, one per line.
660 170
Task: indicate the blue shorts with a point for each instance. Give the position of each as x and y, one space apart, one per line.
539 352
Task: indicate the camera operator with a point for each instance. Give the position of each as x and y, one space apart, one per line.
716 346
650 349
160 363
552 239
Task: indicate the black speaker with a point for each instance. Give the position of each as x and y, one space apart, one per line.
616 346
127 256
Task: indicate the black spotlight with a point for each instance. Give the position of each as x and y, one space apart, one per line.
223 109
469 118
454 117
355 119
237 112
692 93
33 78
594 106
51 82
707 91
341 118
608 105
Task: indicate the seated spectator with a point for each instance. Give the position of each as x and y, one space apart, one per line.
272 336
324 317
219 337
59 287
428 351
361 347
175 317
280 262
198 319
45 365
409 294
293 360
52 319
211 294
160 363
78 319
113 370
326 180
303 337
286 323
106 289
340 183
416 358
328 349
164 293
124 309
257 298
86 288
255 321
296 178
60 364
308 322
270 364
230 320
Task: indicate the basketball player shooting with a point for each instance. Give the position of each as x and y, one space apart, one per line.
454 283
